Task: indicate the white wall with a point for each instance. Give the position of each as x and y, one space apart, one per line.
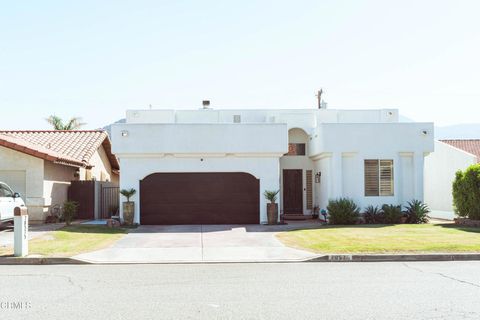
302 118
339 151
135 168
57 179
440 169
11 160
375 137
102 170
200 139
346 178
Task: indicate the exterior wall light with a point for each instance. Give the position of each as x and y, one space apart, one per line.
318 176
124 133
424 132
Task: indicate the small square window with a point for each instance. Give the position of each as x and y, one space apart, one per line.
296 149
379 178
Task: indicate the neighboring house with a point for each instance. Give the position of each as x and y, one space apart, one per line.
41 164
440 168
212 166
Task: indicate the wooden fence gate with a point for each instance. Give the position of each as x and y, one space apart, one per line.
109 201
83 192
96 199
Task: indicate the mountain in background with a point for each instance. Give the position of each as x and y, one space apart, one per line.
109 127
459 131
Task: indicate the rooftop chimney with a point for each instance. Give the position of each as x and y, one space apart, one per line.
205 104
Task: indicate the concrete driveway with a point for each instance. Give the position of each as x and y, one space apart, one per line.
200 243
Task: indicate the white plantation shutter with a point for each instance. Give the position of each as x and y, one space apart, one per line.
378 178
371 178
386 177
309 189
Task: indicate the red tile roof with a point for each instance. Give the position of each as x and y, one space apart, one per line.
75 147
471 146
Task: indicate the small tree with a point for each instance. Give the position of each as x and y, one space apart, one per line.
466 192
128 193
58 124
69 211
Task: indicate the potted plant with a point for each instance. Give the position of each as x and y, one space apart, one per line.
128 206
272 207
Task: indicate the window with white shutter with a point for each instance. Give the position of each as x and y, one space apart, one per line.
386 177
378 178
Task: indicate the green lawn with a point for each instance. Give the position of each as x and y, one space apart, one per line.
405 238
72 240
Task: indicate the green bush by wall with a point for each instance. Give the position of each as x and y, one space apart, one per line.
466 192
343 211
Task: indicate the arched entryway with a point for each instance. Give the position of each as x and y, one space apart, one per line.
297 175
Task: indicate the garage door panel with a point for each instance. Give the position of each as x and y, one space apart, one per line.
177 214
170 198
199 198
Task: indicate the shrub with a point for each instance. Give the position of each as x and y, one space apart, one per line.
466 192
391 213
69 211
343 211
417 212
373 215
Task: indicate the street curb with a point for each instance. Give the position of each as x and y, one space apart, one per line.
38 261
396 257
320 258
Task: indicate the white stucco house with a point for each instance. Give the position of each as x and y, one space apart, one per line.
212 166
440 168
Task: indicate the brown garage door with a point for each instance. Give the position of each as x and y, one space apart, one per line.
199 198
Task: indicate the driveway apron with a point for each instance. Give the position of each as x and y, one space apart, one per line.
198 243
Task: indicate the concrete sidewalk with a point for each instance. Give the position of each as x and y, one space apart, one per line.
201 243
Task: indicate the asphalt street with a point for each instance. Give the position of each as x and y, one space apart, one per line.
416 290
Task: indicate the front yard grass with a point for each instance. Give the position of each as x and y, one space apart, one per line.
401 238
72 240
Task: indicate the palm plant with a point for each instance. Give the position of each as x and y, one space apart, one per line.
271 195
128 193
391 213
72 124
417 212
373 214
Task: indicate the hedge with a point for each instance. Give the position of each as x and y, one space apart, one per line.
466 192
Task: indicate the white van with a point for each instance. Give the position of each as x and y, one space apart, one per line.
8 201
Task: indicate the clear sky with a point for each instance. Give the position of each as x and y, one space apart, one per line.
95 59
